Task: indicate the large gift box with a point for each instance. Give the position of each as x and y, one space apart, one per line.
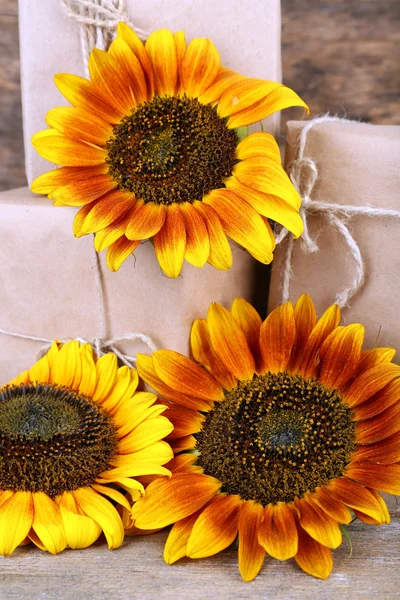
47 278
247 36
355 165
49 290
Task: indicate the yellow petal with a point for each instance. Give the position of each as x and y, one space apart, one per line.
161 49
16 515
103 512
200 66
48 524
67 152
81 531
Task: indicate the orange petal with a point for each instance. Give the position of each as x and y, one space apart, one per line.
327 323
216 527
278 532
384 517
197 239
252 100
168 500
79 124
183 375
305 319
268 205
318 524
250 322
119 251
110 81
334 508
175 546
161 49
188 442
83 94
170 242
107 236
385 478
251 553
370 383
374 357
80 217
242 223
243 94
80 193
221 83
48 182
277 336
263 174
138 49
379 427
205 354
314 558
200 67
185 420
109 209
355 496
65 151
380 402
146 221
339 355
386 451
220 255
229 342
120 50
183 463
147 372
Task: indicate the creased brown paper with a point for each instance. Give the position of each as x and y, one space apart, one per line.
357 164
246 34
48 286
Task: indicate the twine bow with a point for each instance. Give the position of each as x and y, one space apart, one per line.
98 20
304 174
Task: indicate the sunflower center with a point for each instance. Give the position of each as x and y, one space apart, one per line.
52 439
171 150
277 437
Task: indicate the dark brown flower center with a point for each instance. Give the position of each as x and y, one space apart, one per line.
277 437
52 439
170 150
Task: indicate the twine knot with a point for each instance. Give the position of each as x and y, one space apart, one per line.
303 173
98 20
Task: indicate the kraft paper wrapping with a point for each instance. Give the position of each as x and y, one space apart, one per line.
48 287
246 33
358 164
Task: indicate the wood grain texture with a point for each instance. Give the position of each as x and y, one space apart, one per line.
137 571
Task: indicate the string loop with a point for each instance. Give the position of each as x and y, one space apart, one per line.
304 174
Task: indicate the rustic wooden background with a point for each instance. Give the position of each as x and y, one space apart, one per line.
341 56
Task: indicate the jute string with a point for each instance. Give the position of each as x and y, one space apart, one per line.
304 173
100 344
97 20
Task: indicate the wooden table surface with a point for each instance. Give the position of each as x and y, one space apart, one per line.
341 56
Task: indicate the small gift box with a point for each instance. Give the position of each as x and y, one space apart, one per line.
49 290
248 41
349 178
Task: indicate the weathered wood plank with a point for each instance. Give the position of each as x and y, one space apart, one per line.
137 571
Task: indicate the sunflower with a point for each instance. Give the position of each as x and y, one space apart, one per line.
74 433
156 146
283 433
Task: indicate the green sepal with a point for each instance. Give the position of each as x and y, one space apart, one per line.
346 534
242 132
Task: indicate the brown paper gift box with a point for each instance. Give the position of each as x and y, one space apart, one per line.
48 286
357 164
246 33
